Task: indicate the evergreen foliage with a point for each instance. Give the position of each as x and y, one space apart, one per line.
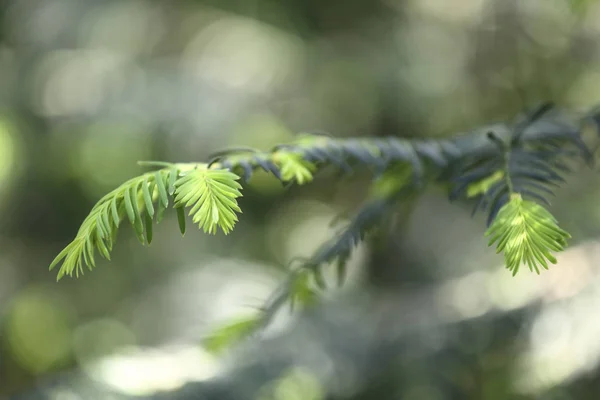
508 170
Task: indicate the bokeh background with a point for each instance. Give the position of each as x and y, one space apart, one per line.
89 87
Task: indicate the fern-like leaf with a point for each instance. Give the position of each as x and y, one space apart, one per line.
527 233
295 168
133 200
211 194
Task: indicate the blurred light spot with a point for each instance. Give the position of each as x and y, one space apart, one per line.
551 330
10 281
464 11
572 274
9 68
243 53
465 107
591 18
129 27
262 131
441 250
143 372
564 335
585 91
563 342
241 290
38 330
306 237
295 384
289 226
467 296
435 58
99 338
63 394
68 82
108 156
7 151
38 21
341 106
548 23
421 392
206 294
507 292
301 227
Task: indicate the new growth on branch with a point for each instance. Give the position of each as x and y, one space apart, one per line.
509 171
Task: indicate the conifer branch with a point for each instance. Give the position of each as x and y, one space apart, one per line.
509 170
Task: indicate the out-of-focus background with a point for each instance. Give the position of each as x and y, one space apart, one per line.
88 88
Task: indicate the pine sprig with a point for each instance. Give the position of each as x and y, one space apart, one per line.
514 177
527 233
143 200
133 200
212 195
300 159
510 170
490 164
294 168
491 178
531 160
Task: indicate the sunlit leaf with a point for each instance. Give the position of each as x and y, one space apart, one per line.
526 233
211 194
134 201
294 168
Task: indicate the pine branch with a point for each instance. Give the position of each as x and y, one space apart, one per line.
133 200
143 200
527 232
512 180
297 161
510 170
490 164
212 193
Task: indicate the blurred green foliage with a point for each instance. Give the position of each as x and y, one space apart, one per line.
89 88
